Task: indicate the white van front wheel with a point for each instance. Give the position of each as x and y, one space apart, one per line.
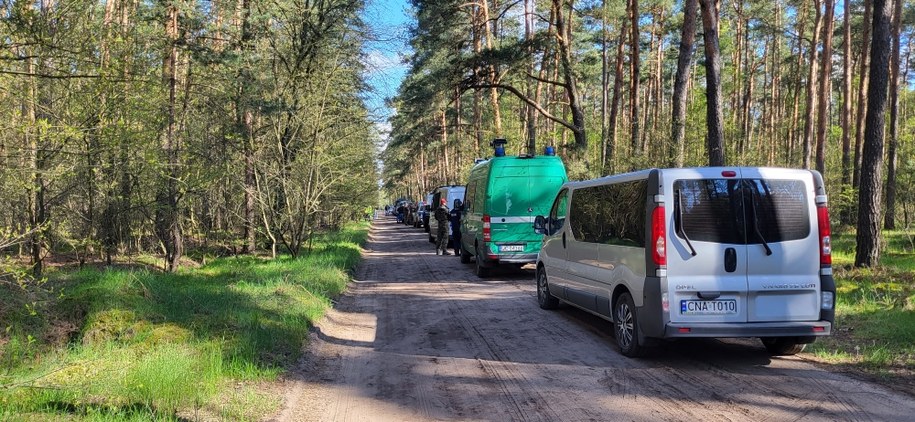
544 298
627 327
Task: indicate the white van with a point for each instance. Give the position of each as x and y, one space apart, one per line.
694 252
450 193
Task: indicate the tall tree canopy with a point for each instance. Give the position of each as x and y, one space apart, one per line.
228 125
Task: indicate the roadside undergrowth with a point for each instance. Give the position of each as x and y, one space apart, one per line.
126 344
875 313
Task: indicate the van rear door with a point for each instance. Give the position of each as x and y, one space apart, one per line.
707 251
782 245
517 194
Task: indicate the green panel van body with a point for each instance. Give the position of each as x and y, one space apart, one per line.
510 191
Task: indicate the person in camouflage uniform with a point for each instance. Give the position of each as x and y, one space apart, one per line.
442 215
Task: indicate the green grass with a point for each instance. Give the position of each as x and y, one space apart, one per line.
143 345
875 310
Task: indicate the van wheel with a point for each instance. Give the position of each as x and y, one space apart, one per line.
782 346
465 256
544 298
481 271
627 327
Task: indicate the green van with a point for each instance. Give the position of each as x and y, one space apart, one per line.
504 194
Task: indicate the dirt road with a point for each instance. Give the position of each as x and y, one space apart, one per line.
419 337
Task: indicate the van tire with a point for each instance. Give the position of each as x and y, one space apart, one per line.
626 327
465 256
545 299
481 271
782 346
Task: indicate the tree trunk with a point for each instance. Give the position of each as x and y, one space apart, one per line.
538 96
714 138
167 217
615 98
35 189
684 60
477 94
634 76
604 85
869 210
494 70
798 84
244 126
863 85
531 113
564 42
846 95
825 86
811 104
889 222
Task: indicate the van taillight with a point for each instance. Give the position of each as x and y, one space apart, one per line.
658 236
825 232
487 229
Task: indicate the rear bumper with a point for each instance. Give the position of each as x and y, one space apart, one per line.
512 258
749 329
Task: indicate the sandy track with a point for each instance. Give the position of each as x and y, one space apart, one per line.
419 337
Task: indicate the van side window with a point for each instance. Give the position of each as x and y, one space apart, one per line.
479 194
610 214
468 197
558 212
739 211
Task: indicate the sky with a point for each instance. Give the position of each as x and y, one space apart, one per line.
388 20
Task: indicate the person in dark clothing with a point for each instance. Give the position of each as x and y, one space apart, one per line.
400 213
441 216
455 218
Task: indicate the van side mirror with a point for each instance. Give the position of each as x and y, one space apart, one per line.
540 224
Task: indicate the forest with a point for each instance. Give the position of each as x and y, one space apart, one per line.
179 127
624 85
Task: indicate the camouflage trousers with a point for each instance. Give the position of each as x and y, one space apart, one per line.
441 237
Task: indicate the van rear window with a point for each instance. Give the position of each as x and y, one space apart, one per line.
741 211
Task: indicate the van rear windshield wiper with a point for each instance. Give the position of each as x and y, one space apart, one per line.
680 217
756 223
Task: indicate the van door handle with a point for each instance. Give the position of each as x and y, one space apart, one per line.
563 240
730 260
709 295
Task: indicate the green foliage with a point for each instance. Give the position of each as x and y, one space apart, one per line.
274 99
875 310
158 346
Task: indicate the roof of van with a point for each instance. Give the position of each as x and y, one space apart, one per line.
643 174
516 159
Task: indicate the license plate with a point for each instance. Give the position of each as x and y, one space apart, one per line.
708 307
511 248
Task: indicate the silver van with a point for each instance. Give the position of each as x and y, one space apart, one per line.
693 252
450 193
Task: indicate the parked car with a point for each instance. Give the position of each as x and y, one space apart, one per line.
504 194
694 252
450 193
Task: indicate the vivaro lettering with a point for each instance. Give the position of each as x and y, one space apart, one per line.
789 286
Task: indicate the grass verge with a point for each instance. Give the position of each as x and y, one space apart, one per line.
875 313
141 345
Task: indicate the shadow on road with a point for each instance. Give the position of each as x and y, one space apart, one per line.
419 337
